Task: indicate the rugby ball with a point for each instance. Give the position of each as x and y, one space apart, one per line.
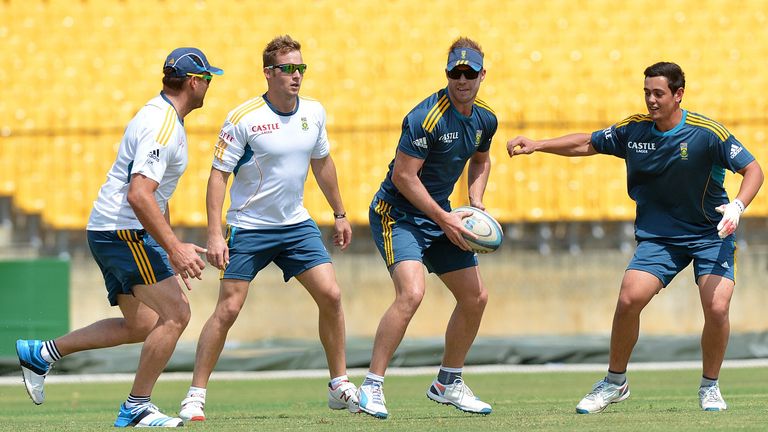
484 226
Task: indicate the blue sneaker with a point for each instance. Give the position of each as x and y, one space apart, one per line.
33 368
145 415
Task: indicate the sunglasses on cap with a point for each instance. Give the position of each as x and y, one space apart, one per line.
207 78
289 68
456 73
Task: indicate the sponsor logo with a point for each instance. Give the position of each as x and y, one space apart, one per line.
463 54
725 265
607 133
420 142
226 137
641 147
684 151
265 128
304 124
478 135
448 137
735 150
153 156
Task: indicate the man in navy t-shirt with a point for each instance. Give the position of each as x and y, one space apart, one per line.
412 225
676 162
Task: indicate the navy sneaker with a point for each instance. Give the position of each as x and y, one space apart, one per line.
145 415
33 368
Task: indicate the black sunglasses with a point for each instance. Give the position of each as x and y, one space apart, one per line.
456 73
289 68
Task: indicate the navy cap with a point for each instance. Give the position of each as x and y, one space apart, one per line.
189 60
465 56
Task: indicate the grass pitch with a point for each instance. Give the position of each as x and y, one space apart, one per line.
660 401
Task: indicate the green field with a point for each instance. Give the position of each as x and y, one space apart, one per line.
660 401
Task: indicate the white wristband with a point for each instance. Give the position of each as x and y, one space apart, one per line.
740 204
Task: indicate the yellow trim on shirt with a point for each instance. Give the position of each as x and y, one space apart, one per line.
245 109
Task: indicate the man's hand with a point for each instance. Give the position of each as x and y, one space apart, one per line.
453 226
186 262
342 233
731 213
521 145
218 252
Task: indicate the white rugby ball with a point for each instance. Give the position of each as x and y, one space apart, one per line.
484 226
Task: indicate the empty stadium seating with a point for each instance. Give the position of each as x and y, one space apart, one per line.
75 72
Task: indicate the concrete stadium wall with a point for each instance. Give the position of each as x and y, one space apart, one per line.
530 294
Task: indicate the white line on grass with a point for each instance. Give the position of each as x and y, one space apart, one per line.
424 370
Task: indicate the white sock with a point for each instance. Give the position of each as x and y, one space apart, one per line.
371 377
335 382
196 392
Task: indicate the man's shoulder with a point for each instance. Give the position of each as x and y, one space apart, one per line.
484 109
635 120
430 110
706 125
245 109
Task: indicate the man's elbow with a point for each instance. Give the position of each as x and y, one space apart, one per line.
133 198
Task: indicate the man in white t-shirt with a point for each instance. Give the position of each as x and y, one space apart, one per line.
269 143
130 237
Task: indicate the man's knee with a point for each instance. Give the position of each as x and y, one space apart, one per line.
410 299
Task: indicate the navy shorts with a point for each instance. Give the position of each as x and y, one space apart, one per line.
402 236
127 258
294 248
710 256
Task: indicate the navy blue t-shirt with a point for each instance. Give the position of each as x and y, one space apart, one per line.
675 177
445 139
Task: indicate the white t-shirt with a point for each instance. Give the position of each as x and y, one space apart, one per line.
155 145
269 153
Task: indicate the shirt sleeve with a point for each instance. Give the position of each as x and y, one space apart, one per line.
414 140
611 140
230 147
731 154
154 146
323 146
487 136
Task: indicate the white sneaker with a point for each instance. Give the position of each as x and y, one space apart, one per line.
459 395
372 401
710 399
145 415
343 396
603 394
192 409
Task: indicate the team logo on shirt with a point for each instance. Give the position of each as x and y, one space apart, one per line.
684 151
478 135
304 124
735 150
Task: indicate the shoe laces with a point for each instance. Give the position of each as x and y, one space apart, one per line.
377 393
145 406
598 389
463 389
712 394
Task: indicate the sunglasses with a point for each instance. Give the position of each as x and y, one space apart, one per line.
208 78
456 73
289 68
